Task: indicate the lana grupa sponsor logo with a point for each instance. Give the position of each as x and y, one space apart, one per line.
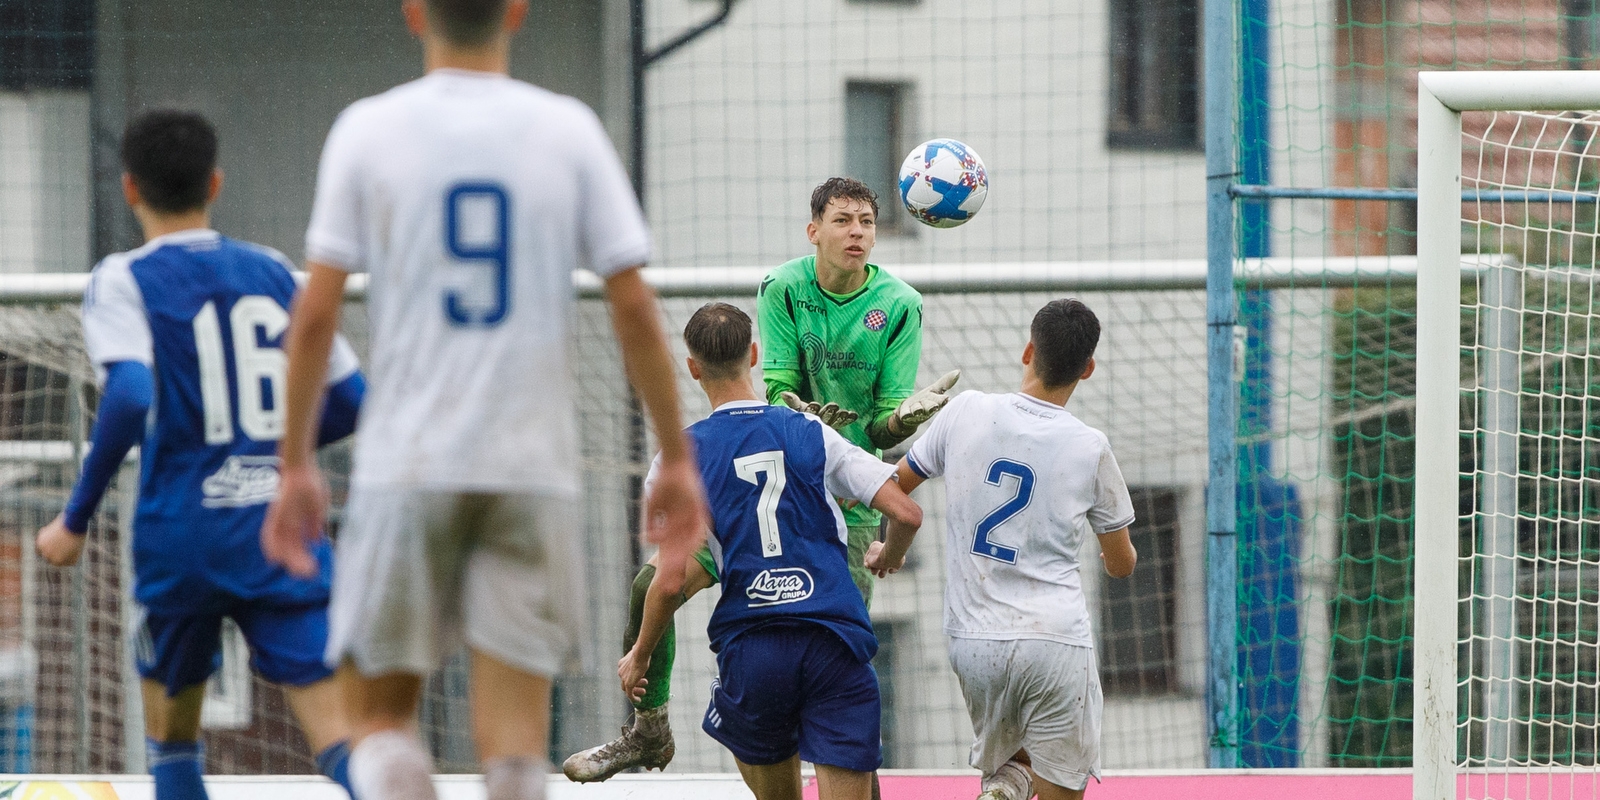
774 587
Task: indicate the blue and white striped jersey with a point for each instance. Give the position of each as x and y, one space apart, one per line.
207 314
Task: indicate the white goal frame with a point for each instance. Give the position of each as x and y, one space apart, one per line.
1441 97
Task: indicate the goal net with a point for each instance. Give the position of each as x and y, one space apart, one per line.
1508 451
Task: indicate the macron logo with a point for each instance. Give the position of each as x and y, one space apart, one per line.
242 481
775 587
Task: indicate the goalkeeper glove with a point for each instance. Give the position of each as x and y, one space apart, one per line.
921 407
831 414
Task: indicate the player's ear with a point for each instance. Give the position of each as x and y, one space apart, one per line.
130 191
754 358
214 186
1027 354
416 17
1088 370
694 368
811 231
516 12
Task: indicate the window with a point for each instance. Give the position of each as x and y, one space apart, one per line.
1580 33
873 143
1155 90
1138 637
46 44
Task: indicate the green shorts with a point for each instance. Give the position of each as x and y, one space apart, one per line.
861 537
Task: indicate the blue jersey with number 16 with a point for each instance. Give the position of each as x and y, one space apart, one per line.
778 535
207 314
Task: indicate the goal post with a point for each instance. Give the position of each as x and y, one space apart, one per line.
1492 501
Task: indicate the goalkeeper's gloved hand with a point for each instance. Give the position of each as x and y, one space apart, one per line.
831 414
920 407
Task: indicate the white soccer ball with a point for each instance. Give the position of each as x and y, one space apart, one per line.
943 183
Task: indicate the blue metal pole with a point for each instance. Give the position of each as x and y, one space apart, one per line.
1269 515
1222 611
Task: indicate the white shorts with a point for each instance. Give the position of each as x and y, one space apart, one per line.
1032 694
416 570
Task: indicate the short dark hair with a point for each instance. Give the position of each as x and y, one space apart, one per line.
170 154
467 23
841 189
1065 334
718 336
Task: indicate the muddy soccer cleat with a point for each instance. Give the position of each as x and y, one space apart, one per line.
646 743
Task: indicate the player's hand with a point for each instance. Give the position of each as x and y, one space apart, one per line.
878 564
57 545
831 414
920 407
675 519
630 670
296 519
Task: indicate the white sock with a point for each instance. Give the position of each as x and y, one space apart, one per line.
391 765
1012 779
515 778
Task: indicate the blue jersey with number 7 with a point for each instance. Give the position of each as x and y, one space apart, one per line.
207 314
778 536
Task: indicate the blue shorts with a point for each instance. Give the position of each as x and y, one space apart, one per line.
286 643
783 689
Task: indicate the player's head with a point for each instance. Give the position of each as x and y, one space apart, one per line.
465 24
720 348
844 222
169 163
1061 346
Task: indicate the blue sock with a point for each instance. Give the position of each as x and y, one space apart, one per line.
177 767
334 762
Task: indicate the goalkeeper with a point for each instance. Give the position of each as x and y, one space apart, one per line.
840 338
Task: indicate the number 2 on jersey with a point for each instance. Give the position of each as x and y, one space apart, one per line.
258 370
998 471
749 469
481 244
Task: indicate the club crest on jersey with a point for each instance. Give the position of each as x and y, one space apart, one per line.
774 587
876 320
242 481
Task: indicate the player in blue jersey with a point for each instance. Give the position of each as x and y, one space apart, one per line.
790 631
184 335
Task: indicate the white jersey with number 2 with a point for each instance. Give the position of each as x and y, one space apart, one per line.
471 198
1024 481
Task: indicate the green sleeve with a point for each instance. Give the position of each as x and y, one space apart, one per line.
897 380
780 381
780 348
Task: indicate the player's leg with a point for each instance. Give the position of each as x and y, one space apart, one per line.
395 610
522 624
1061 705
175 656
287 643
647 740
839 716
993 705
780 781
858 539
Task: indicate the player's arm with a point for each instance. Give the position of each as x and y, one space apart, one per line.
854 474
1117 553
342 409
675 513
780 346
119 422
898 408
296 517
1111 515
905 517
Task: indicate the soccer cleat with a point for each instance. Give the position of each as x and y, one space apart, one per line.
647 743
1010 782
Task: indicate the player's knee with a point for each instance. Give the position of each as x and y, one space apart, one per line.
642 579
515 778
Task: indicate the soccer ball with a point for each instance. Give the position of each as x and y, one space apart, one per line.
943 183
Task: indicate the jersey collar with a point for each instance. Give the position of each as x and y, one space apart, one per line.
1036 401
733 404
182 237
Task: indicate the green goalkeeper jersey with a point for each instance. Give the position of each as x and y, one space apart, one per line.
858 350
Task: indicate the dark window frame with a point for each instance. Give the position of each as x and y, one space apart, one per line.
1147 108
46 44
1129 605
891 218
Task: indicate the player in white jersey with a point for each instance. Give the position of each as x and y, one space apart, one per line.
1025 482
470 198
